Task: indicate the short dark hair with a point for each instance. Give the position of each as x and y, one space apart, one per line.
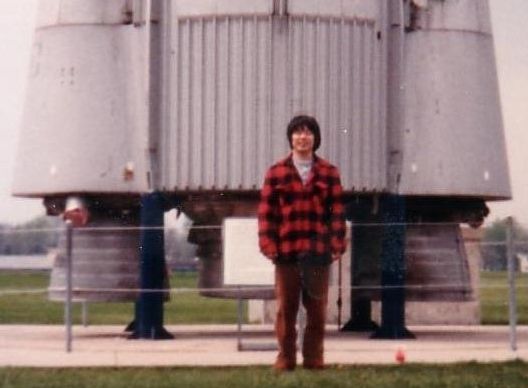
308 122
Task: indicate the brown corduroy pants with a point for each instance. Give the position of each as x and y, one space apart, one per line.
292 280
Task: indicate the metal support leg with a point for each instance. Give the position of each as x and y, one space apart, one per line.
393 271
360 317
148 322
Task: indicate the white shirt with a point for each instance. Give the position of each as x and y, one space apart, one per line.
304 167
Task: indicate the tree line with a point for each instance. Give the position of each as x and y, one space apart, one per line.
493 251
34 237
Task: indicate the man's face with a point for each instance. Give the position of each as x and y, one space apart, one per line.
302 141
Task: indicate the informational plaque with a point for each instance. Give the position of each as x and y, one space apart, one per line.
243 262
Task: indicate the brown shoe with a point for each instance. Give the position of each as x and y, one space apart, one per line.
284 365
313 365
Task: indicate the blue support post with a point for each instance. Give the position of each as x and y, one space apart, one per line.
148 321
393 270
365 243
360 317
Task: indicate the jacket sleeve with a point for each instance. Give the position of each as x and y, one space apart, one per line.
268 217
337 215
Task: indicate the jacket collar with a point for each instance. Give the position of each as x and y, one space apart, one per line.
316 160
315 168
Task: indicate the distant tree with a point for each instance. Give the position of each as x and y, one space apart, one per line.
36 236
494 248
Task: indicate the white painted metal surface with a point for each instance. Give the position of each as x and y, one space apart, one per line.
453 135
85 121
235 82
56 12
235 72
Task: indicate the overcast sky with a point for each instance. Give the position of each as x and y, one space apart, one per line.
509 19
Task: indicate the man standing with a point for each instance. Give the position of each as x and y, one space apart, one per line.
301 230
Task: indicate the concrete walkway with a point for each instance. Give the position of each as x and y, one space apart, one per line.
216 345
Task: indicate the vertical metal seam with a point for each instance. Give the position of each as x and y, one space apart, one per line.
203 131
374 144
228 179
256 72
326 53
172 38
382 71
343 115
362 110
356 105
301 57
377 112
164 96
168 98
179 111
243 106
347 44
339 83
215 92
317 65
270 71
206 127
290 64
188 174
184 27
382 82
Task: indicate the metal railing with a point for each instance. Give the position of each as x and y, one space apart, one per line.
510 244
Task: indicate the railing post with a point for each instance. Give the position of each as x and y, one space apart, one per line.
511 284
68 306
85 313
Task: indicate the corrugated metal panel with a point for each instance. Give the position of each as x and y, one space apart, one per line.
363 9
199 8
235 81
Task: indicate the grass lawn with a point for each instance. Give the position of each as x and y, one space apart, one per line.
494 297
509 374
193 308
36 308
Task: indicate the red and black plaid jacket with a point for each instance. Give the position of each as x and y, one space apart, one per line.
296 219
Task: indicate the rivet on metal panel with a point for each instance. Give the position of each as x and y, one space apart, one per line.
128 12
420 3
138 11
412 11
128 172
